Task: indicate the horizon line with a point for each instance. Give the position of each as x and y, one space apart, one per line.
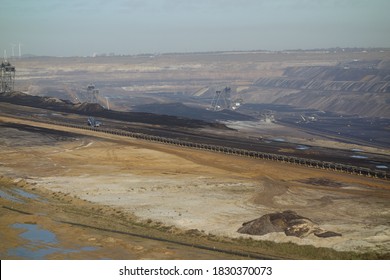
113 54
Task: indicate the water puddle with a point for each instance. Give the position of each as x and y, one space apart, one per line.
279 140
42 243
382 167
359 157
302 147
28 195
14 195
10 197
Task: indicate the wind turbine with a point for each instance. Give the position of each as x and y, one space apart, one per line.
13 49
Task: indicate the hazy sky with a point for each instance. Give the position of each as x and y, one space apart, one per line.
84 27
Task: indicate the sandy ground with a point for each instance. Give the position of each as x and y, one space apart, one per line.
201 190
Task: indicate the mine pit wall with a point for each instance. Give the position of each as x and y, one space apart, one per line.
343 89
238 152
347 86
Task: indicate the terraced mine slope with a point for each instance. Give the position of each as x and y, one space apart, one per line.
298 169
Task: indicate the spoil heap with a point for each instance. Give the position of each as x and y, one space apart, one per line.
288 222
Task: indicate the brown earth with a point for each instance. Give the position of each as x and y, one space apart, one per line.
177 189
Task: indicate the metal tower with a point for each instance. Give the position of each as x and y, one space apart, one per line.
92 93
7 76
221 99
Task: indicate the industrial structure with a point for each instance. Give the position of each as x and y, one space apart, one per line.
7 76
268 116
93 122
108 103
221 99
93 93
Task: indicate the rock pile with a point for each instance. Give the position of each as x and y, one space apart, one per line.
288 222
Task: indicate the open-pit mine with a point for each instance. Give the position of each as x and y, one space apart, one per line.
253 155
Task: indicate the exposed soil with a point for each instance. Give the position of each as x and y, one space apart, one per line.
189 190
92 195
258 137
71 228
